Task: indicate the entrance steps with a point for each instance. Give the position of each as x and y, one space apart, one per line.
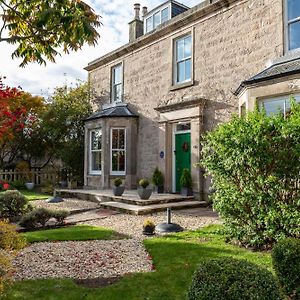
130 202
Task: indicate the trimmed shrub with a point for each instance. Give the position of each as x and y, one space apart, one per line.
157 177
13 204
186 179
118 182
228 278
60 216
144 183
286 262
254 164
40 216
9 238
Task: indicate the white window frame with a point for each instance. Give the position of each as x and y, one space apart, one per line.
118 173
169 6
284 98
91 171
176 62
113 84
287 25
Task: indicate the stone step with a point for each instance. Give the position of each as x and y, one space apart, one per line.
154 199
148 209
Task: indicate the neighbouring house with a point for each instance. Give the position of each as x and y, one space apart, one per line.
184 71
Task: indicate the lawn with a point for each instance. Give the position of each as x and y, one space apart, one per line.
32 195
175 258
73 233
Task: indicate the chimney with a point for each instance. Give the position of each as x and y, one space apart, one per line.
145 11
136 26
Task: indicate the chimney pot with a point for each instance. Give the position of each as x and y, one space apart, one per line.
137 8
145 10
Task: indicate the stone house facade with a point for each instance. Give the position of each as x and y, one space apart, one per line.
184 71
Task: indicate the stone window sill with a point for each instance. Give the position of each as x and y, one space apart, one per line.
182 85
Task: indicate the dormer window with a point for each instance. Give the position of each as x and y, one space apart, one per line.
293 24
117 83
162 14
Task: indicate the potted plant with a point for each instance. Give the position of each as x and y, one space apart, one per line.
158 180
118 189
144 191
186 183
148 227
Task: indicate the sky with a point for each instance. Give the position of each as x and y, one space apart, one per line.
41 80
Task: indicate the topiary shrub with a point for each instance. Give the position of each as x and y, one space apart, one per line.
144 183
254 164
228 278
60 216
286 262
13 204
157 177
118 182
186 179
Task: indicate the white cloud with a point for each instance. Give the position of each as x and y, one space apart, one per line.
114 33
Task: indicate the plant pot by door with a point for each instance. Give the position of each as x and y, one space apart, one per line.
160 189
118 190
187 192
29 185
144 194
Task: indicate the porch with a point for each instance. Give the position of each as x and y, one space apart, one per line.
131 203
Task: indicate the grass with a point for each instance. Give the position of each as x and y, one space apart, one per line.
32 195
73 233
175 258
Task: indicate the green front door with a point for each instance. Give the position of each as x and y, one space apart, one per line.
182 156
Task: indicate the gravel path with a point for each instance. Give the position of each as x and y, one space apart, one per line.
68 204
81 260
190 219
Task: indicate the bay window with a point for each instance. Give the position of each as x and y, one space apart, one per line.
95 151
118 151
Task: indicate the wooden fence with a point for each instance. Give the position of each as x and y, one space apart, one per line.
37 176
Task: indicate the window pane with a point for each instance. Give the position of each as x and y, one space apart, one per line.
181 71
293 9
188 47
294 35
180 50
96 140
118 139
274 106
118 74
188 70
156 19
96 161
183 127
118 161
118 93
165 15
149 24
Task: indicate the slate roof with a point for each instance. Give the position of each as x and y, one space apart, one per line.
113 112
280 68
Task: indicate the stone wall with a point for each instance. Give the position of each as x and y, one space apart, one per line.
229 46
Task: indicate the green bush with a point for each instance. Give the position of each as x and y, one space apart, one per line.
186 179
17 184
144 183
13 204
60 216
224 279
157 177
254 164
286 262
118 182
40 216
